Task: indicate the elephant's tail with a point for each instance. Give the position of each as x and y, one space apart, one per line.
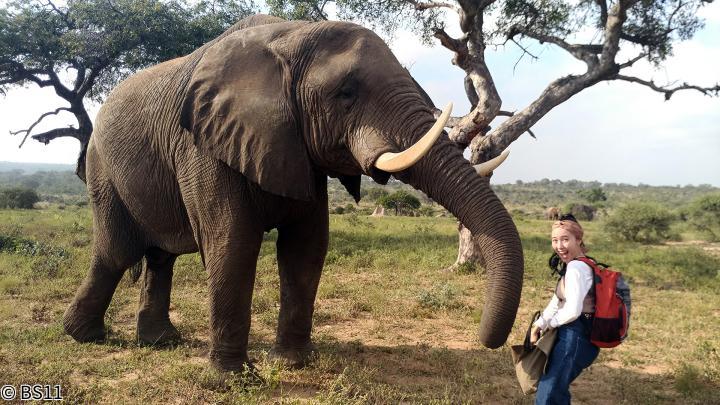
80 168
137 269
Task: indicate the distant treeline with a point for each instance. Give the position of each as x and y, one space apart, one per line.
52 185
46 183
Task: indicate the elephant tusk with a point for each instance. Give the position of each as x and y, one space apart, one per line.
395 162
486 168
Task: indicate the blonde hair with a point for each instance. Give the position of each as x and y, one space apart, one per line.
574 228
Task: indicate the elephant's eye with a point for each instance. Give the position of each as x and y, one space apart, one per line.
347 93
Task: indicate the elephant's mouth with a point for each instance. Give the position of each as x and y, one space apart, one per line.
392 162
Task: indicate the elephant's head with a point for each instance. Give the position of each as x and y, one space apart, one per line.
286 102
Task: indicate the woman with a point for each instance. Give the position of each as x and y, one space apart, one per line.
570 311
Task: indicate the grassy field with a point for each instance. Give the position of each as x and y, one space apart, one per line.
391 326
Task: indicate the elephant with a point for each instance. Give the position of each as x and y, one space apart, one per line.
207 152
552 213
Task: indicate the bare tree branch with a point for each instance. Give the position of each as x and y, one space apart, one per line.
456 45
60 88
708 91
27 131
421 6
62 14
48 136
632 61
503 113
603 12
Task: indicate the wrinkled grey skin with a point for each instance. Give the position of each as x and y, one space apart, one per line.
207 152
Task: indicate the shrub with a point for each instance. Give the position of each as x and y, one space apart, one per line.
18 198
581 211
640 222
426 211
338 210
593 195
704 214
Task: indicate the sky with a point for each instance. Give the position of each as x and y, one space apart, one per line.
613 132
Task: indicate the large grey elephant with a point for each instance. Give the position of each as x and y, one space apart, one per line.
209 151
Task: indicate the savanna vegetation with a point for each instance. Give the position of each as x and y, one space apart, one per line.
391 326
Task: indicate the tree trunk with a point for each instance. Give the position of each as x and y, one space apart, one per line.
469 253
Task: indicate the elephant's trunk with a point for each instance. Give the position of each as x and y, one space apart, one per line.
449 179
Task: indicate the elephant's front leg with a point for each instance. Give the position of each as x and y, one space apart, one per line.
301 252
230 262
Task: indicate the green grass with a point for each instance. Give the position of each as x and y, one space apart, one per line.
391 325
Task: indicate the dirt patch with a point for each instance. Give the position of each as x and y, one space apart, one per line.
712 248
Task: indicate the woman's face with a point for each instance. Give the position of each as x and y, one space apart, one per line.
566 245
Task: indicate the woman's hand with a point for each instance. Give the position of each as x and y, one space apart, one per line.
535 334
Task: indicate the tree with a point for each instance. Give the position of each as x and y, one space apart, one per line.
23 198
83 49
704 215
400 201
591 31
640 222
593 195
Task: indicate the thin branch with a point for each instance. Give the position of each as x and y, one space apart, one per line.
585 52
632 61
708 91
27 131
63 15
525 52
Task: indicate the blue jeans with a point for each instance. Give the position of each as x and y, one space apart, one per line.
572 353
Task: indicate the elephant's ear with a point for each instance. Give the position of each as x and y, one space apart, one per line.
238 108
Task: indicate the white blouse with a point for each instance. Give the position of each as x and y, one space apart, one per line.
578 281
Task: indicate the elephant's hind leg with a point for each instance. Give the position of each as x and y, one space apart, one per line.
153 319
117 245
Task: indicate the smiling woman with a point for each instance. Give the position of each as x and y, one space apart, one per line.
570 312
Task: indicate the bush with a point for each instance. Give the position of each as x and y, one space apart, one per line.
374 193
581 211
593 195
426 211
704 214
640 222
18 198
338 210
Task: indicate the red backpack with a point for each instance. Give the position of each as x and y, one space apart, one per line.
612 305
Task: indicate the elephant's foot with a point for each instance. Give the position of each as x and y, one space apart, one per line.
293 356
156 333
83 328
236 361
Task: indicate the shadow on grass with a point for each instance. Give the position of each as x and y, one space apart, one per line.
423 373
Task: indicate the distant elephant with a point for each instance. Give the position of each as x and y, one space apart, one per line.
552 213
209 151
583 212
